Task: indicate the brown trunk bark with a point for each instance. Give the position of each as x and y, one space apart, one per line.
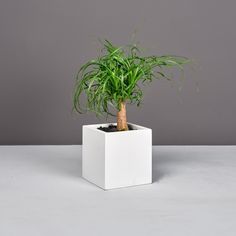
121 118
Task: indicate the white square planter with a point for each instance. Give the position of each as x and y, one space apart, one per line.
117 159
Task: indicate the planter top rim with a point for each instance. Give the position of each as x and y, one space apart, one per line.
137 128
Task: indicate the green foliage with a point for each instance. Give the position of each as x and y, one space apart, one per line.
116 77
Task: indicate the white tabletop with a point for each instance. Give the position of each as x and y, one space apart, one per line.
193 193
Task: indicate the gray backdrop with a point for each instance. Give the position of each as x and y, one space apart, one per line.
43 42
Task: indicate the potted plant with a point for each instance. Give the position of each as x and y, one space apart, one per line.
119 154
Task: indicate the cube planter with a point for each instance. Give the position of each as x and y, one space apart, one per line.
117 159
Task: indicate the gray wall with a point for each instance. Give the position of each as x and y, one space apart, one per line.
43 42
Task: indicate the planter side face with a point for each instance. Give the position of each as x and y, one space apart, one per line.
117 159
128 159
93 153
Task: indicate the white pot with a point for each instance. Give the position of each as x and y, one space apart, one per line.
117 159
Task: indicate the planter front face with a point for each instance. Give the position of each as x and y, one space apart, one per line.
117 159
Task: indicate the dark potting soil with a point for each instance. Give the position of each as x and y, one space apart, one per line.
112 128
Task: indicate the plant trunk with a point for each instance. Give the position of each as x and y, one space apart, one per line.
121 118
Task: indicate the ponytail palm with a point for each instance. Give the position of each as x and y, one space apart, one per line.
114 79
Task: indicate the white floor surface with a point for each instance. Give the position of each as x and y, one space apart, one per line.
193 194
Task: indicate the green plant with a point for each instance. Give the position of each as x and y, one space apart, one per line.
114 79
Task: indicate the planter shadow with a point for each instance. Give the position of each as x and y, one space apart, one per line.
168 161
